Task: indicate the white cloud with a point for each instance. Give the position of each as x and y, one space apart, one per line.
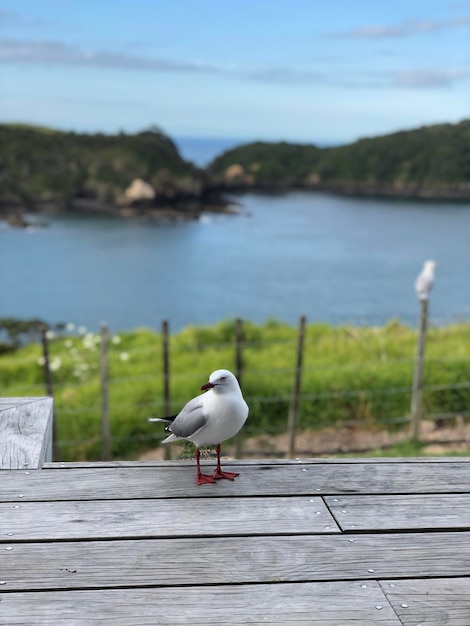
418 78
57 53
49 53
9 18
377 31
430 78
284 75
405 29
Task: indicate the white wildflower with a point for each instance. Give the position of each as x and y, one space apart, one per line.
90 341
50 334
81 330
68 343
55 364
124 356
70 326
116 340
41 360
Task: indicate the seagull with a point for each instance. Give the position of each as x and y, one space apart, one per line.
425 280
210 418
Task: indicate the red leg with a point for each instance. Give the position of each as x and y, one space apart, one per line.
218 470
202 479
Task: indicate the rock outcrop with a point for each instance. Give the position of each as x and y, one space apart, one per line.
137 191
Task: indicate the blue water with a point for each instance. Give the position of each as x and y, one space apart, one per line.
331 258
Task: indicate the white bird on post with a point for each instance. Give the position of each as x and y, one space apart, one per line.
425 280
423 285
210 418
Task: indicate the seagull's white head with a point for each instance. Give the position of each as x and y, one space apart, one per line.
430 265
220 381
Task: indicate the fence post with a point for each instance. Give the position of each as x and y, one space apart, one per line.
294 407
167 451
105 424
49 390
239 375
418 375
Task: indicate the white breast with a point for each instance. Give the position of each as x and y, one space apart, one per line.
226 416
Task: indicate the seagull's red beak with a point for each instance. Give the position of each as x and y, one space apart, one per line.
207 386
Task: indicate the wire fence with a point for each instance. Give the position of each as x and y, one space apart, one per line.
105 386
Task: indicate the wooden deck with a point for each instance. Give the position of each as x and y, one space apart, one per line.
324 542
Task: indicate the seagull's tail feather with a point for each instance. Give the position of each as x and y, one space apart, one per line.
165 420
168 421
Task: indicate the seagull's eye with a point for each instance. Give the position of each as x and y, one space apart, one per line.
223 378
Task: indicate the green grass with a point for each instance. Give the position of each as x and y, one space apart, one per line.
355 375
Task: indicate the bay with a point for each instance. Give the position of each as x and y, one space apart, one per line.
332 258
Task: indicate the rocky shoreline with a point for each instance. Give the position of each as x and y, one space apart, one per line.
178 207
184 207
410 191
356 189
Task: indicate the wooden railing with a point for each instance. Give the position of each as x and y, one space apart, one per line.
25 432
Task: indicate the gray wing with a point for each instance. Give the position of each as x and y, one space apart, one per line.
190 419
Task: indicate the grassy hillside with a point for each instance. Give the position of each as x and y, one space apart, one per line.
32 127
352 375
434 158
268 163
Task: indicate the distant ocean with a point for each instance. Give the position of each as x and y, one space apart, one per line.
202 150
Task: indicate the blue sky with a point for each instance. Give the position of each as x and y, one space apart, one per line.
298 70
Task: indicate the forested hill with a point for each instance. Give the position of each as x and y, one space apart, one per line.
43 169
432 161
47 170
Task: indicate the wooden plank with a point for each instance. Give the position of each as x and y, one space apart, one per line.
410 512
26 433
321 604
438 602
178 481
230 560
247 462
164 518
